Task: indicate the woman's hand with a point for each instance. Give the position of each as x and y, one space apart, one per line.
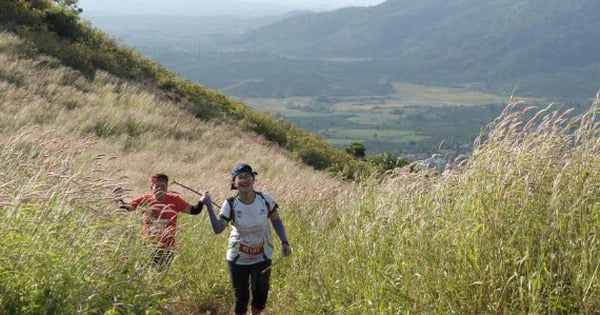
286 249
205 199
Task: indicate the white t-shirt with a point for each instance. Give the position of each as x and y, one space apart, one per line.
250 240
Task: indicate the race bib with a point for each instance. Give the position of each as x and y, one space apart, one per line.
251 250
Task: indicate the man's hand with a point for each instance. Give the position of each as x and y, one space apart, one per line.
123 205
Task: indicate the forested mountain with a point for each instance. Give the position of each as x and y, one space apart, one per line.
407 28
545 48
549 45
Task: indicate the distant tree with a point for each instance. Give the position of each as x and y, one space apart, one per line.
357 149
387 161
71 5
64 18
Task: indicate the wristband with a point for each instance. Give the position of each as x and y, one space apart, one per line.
196 209
123 205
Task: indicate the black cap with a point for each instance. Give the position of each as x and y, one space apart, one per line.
242 168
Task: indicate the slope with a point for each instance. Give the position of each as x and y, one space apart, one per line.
55 28
142 131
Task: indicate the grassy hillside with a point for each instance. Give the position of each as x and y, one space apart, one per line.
55 28
514 230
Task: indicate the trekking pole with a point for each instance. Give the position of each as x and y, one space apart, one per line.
275 262
278 260
192 190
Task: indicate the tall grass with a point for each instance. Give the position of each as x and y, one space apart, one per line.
58 253
515 231
505 233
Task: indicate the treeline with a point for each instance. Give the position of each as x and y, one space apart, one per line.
54 27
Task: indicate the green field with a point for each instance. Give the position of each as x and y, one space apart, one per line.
414 120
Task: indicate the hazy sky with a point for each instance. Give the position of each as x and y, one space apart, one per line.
214 7
320 3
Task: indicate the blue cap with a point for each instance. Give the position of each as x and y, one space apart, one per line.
242 168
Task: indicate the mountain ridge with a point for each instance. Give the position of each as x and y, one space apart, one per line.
497 42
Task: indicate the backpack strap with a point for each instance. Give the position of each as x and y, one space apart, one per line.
268 213
231 212
230 201
264 200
